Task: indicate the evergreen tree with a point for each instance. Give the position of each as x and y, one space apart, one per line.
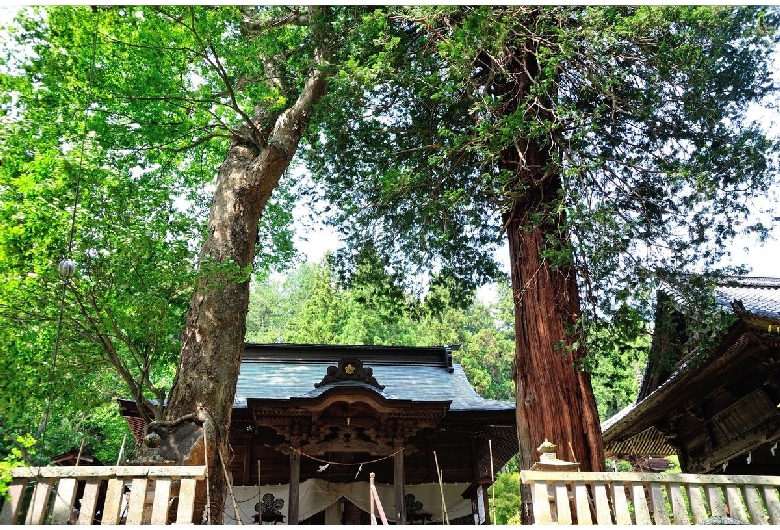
609 145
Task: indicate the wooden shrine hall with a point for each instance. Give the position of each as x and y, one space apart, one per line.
719 413
311 422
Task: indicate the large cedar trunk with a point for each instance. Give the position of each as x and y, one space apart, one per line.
201 400
554 397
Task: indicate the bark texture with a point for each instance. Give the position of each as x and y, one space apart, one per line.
554 397
216 321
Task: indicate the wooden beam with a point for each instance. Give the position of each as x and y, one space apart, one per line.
398 482
248 443
432 473
295 477
474 452
109 471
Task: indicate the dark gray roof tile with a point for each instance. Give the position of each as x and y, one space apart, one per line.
283 379
759 296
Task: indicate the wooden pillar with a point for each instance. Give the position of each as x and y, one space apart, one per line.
295 477
480 502
474 452
248 443
432 473
398 481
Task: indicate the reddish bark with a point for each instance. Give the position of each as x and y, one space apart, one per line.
554 397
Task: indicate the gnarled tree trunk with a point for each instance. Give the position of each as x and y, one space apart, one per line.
216 322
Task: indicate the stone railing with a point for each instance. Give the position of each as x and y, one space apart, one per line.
131 495
571 497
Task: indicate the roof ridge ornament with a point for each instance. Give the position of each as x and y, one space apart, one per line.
349 369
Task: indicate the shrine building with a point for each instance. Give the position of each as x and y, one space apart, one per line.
718 411
310 424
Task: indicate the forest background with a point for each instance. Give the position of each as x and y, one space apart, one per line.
118 334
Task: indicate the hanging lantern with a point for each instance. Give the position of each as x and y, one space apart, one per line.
67 268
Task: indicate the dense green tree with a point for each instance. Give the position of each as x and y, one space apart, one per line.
617 358
225 91
368 307
321 315
609 145
484 334
505 496
381 306
65 191
14 457
139 135
269 308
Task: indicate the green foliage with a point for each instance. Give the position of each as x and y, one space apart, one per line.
16 457
314 306
100 429
642 109
103 431
322 315
506 491
675 467
617 355
619 465
115 119
485 334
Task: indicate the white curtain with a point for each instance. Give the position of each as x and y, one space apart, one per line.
316 495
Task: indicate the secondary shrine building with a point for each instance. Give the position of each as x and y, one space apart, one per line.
718 412
311 423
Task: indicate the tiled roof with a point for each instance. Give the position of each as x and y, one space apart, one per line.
651 441
759 296
617 417
405 373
